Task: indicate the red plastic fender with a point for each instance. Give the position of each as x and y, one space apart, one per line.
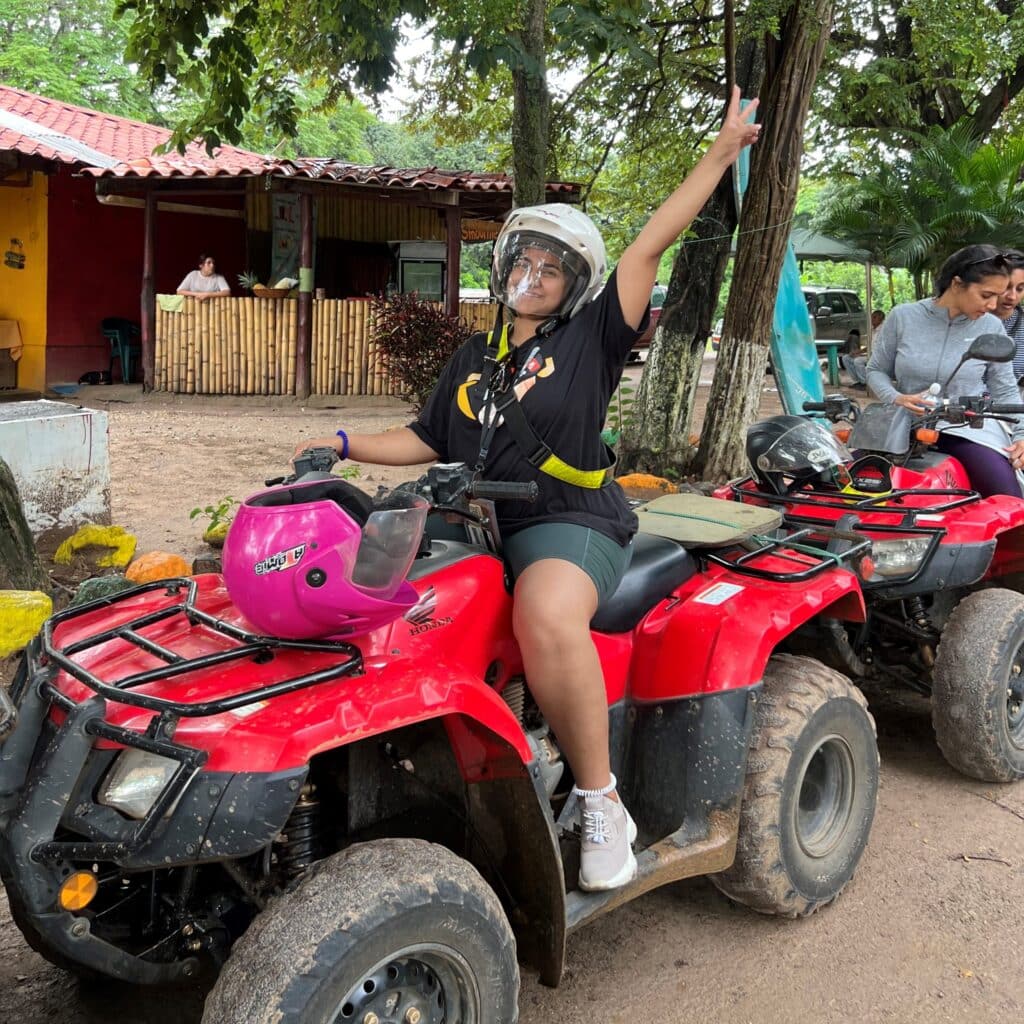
717 634
288 732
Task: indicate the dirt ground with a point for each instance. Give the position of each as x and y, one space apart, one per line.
930 930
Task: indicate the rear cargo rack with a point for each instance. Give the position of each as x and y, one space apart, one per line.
887 504
249 645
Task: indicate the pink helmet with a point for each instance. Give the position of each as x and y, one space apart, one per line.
321 559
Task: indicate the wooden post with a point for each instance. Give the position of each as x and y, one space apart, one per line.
453 226
303 348
148 310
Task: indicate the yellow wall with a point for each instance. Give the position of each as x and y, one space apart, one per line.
23 292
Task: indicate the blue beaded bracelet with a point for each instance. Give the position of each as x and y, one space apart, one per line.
344 445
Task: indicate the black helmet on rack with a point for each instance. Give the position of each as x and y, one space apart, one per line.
785 452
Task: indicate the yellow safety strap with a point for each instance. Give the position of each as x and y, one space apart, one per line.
551 464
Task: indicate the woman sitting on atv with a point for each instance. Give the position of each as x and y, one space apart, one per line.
561 356
921 343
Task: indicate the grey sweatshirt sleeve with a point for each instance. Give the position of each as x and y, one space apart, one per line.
881 367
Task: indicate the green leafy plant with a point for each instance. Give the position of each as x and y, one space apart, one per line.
248 279
416 338
219 516
620 411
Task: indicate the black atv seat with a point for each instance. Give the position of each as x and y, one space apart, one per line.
658 566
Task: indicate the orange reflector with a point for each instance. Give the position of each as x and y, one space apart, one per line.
866 568
77 891
843 433
926 436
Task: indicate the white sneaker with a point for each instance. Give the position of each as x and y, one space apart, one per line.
606 854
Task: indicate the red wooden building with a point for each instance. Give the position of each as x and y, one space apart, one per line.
95 225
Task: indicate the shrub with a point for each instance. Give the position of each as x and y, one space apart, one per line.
415 338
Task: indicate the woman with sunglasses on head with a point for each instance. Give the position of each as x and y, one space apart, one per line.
554 368
921 343
1009 309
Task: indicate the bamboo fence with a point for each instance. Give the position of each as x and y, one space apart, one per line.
247 346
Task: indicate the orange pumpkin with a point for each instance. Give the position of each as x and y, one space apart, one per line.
157 565
645 486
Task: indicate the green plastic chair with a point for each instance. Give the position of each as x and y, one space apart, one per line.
123 336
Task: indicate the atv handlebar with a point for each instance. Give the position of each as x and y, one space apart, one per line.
504 490
835 408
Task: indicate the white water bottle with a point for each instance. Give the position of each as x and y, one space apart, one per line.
931 396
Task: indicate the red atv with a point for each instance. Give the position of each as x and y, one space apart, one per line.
370 826
945 615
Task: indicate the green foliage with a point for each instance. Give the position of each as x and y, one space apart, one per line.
71 50
416 339
896 67
620 411
248 279
219 514
917 208
475 265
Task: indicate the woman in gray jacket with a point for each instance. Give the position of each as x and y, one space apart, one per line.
921 343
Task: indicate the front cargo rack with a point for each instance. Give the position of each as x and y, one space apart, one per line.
249 645
845 549
36 689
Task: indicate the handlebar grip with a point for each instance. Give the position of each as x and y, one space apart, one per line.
1008 410
505 490
814 406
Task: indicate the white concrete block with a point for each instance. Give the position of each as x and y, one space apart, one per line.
60 458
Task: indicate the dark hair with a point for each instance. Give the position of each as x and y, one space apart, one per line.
1015 258
204 256
971 264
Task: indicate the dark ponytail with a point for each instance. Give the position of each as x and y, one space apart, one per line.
971 264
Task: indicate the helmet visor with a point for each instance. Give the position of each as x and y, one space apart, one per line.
390 540
803 447
533 270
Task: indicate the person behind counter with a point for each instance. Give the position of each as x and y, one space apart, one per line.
205 282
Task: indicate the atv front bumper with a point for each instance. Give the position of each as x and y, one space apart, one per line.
50 823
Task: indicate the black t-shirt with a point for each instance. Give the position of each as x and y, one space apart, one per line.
564 393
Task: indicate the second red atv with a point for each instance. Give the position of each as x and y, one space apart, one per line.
945 615
367 827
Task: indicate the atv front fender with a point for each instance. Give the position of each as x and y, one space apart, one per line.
289 731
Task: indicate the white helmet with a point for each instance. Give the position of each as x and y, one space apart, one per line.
565 232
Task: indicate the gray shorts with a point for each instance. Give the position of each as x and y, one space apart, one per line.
598 556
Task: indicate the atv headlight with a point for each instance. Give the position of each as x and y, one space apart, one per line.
136 780
899 557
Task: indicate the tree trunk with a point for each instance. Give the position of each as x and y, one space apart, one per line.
792 60
531 108
656 439
20 568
